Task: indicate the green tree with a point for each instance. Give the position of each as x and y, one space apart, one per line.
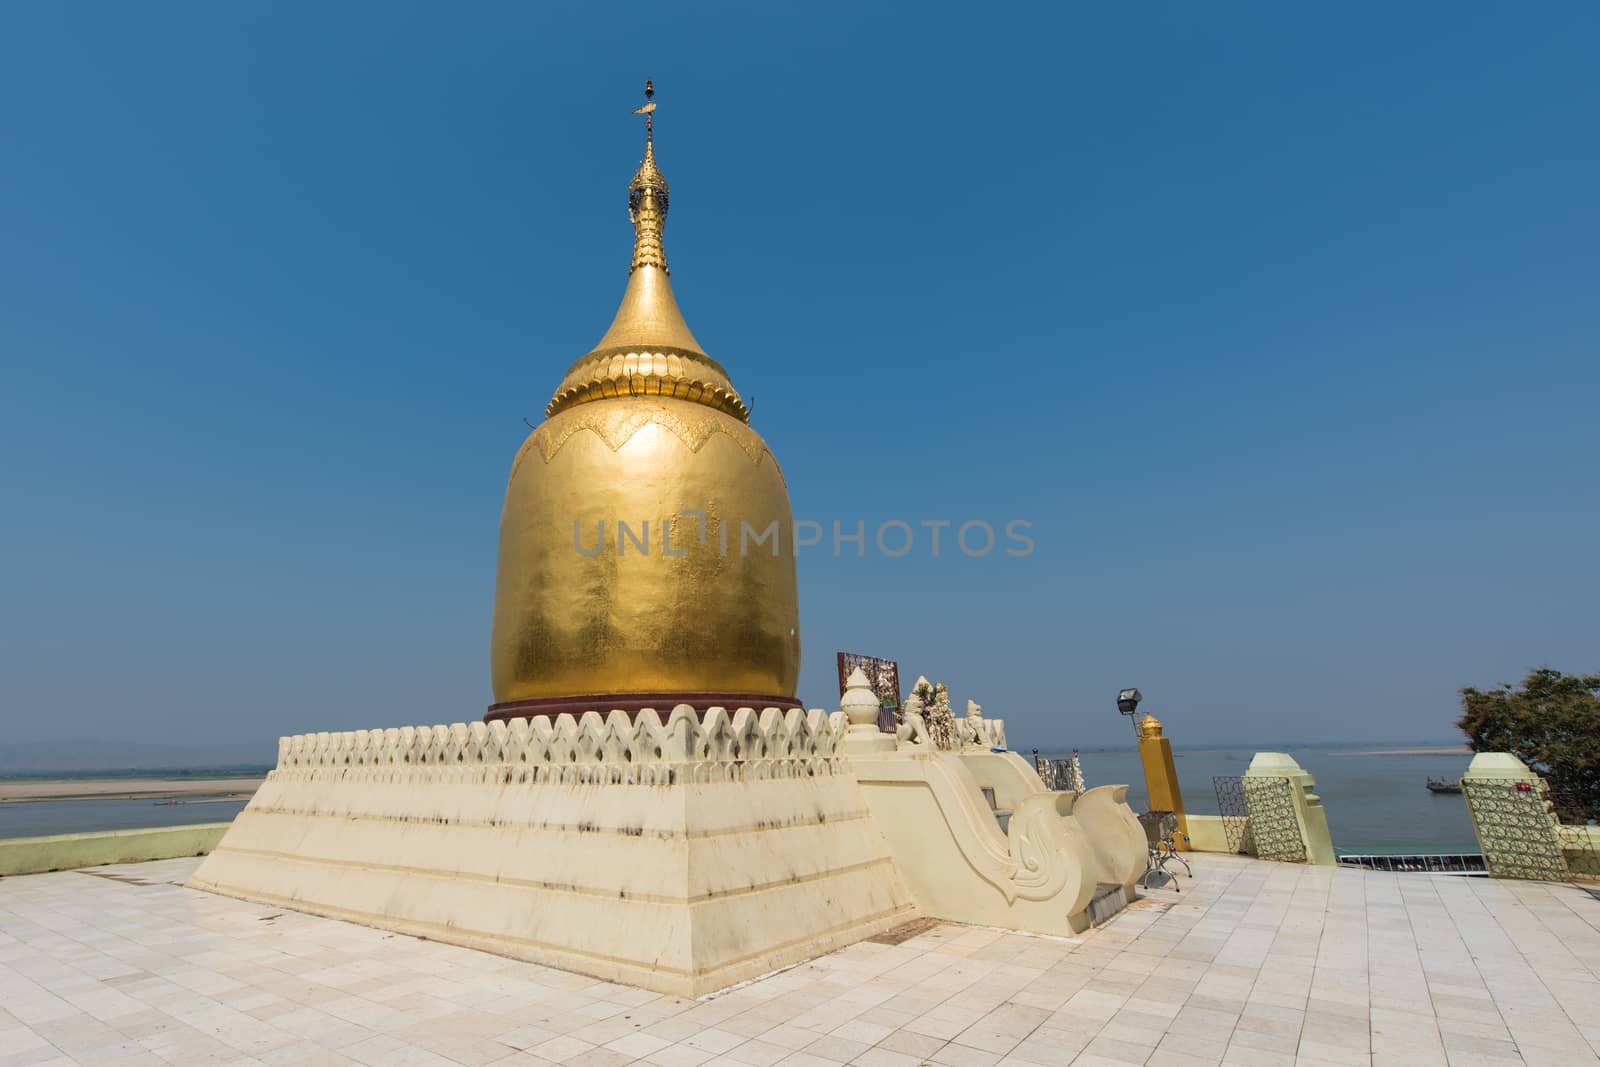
1551 723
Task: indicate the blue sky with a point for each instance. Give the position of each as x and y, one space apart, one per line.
1279 324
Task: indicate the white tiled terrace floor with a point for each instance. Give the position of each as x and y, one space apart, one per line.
1254 963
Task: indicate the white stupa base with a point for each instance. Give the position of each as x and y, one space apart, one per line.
681 858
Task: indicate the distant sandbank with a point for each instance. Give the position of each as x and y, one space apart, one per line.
1447 750
18 790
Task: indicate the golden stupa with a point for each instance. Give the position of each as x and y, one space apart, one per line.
646 553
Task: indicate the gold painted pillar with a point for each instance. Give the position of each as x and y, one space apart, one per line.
1161 775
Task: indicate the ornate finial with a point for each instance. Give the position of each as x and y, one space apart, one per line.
859 701
647 195
648 110
1150 727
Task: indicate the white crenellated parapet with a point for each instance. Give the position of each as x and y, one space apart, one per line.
616 748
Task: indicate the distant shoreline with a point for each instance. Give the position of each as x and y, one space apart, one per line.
1324 749
21 791
1461 750
112 772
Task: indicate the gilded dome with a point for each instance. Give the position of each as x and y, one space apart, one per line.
646 554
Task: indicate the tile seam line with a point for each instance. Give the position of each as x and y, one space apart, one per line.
1563 899
1432 898
1592 924
1550 890
1455 925
1316 961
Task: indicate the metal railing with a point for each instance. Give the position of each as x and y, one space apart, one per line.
1430 863
1059 775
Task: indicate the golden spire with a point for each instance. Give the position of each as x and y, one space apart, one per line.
649 349
647 210
647 195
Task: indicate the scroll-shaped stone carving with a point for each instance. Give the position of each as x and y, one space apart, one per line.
1042 858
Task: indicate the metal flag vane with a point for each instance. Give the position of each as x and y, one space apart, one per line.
648 110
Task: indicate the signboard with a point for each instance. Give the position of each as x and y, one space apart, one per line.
884 677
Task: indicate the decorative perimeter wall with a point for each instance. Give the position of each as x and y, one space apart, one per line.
680 856
1271 811
1519 828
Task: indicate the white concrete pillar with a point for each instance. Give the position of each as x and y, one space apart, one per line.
1308 811
1498 765
1517 832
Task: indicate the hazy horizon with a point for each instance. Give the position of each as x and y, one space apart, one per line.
1278 325
80 756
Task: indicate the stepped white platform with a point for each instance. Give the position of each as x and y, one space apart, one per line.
679 856
683 855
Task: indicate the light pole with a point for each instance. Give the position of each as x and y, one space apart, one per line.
1128 704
